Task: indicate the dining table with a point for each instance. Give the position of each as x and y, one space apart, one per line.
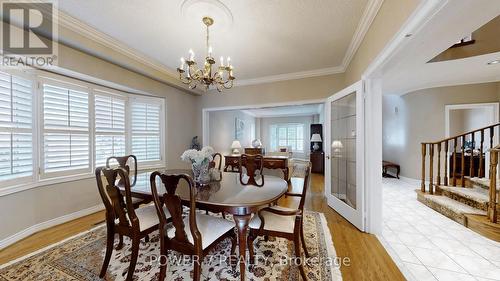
226 194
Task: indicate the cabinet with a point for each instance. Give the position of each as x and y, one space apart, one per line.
317 159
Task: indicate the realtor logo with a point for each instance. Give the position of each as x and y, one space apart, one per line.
28 34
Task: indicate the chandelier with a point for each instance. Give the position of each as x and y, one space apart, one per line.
190 74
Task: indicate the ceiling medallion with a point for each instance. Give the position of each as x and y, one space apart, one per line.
190 74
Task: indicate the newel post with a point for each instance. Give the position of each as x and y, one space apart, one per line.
422 187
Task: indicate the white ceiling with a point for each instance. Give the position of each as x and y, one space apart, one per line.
408 69
263 38
286 111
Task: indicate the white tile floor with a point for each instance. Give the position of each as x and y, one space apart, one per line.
427 245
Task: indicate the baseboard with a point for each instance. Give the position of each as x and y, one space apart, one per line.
47 224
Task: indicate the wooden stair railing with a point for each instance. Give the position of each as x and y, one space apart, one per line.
432 149
493 202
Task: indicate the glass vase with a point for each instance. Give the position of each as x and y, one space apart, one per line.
201 174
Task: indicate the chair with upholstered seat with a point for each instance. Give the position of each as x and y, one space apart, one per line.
196 234
122 217
282 222
124 162
251 167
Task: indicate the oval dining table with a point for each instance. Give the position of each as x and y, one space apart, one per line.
227 195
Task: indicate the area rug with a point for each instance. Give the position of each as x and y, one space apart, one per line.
80 258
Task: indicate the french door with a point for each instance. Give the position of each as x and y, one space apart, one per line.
344 178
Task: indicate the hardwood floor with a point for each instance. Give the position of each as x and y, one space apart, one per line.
369 260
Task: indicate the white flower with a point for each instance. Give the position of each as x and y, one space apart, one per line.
197 157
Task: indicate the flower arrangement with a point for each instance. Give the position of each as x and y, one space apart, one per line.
198 156
200 163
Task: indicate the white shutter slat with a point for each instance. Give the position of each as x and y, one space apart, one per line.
66 111
146 141
16 123
109 118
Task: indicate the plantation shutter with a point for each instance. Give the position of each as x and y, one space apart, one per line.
146 144
66 143
109 126
16 125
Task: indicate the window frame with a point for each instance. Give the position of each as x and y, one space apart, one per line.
274 128
34 126
38 178
155 163
111 93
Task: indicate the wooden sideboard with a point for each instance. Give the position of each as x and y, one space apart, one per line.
255 150
232 162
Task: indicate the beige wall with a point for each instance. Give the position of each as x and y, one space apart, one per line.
420 117
276 92
391 16
41 204
222 129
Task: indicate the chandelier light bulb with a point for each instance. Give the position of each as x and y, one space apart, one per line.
191 55
210 51
228 61
221 61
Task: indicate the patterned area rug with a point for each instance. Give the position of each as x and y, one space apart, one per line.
80 258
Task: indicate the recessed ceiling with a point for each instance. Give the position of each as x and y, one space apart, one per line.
263 38
286 111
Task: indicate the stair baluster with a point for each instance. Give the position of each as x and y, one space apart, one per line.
446 162
471 162
481 168
431 168
438 181
462 168
455 162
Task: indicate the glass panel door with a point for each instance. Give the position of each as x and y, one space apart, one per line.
344 159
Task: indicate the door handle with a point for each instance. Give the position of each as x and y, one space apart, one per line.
327 156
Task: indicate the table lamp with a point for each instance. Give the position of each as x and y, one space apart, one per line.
235 146
316 138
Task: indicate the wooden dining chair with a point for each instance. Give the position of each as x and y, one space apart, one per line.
124 162
121 216
196 234
282 222
254 165
217 164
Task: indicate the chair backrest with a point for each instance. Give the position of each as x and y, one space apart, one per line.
123 162
253 165
214 163
173 203
307 182
109 190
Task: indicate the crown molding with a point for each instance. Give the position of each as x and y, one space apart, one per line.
290 76
81 28
369 14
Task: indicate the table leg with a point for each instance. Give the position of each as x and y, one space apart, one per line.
242 227
286 172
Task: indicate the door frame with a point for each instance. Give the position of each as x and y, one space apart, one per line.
355 216
490 105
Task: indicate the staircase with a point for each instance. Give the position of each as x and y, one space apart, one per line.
463 195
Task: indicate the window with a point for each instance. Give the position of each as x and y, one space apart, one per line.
55 129
109 126
146 133
66 136
289 135
16 128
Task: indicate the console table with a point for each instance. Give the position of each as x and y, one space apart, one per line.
232 163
